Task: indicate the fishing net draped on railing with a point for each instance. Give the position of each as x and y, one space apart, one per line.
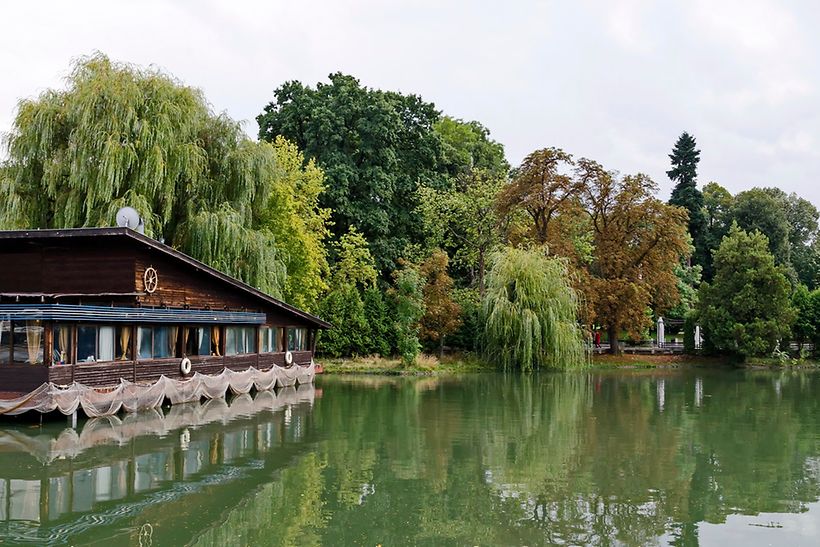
133 397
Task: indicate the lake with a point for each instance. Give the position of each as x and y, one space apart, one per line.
685 457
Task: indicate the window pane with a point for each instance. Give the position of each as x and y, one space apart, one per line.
296 339
204 340
62 344
123 341
161 341
280 339
231 340
250 340
144 339
264 339
28 342
86 344
5 341
106 344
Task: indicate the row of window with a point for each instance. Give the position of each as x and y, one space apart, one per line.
21 342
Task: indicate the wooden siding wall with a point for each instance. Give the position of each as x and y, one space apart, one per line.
86 268
22 378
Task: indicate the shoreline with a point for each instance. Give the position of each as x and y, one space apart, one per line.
428 365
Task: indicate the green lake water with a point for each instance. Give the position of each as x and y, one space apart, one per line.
687 457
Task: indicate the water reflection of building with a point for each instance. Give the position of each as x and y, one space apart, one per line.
58 486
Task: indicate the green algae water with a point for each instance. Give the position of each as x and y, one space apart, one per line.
684 457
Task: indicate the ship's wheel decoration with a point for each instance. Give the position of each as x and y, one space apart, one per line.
150 280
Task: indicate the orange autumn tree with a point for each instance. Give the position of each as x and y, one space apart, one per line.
638 240
441 313
541 192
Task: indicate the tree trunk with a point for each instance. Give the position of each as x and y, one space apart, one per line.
441 348
614 347
481 288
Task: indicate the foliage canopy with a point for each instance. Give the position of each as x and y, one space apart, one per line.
530 312
746 309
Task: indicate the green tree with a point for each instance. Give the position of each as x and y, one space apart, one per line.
344 309
408 300
802 217
530 312
466 146
298 224
464 220
685 157
375 148
806 320
354 265
757 209
441 314
689 278
717 206
121 135
381 338
468 336
746 309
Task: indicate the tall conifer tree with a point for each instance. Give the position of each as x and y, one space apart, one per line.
685 157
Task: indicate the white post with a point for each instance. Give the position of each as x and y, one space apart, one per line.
697 337
661 333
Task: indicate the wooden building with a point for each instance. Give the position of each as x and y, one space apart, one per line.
96 305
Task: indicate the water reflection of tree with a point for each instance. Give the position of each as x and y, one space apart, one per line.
571 458
566 458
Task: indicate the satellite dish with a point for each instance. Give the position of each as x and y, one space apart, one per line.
128 217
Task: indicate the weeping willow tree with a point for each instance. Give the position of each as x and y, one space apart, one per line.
530 313
121 135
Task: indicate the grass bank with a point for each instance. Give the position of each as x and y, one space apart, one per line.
467 363
425 364
656 361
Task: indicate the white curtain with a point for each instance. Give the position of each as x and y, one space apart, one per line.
106 344
34 342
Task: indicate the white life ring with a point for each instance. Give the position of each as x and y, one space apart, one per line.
288 358
185 366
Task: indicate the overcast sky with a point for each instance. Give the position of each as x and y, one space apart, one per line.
616 81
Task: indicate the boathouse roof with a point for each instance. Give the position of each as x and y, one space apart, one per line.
22 240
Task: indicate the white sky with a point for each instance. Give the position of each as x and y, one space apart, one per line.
616 81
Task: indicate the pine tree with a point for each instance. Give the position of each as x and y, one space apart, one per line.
685 157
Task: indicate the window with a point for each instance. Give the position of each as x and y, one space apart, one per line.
297 339
62 345
123 341
271 339
5 341
162 340
86 343
240 340
280 339
95 342
157 342
198 341
250 339
145 338
26 339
